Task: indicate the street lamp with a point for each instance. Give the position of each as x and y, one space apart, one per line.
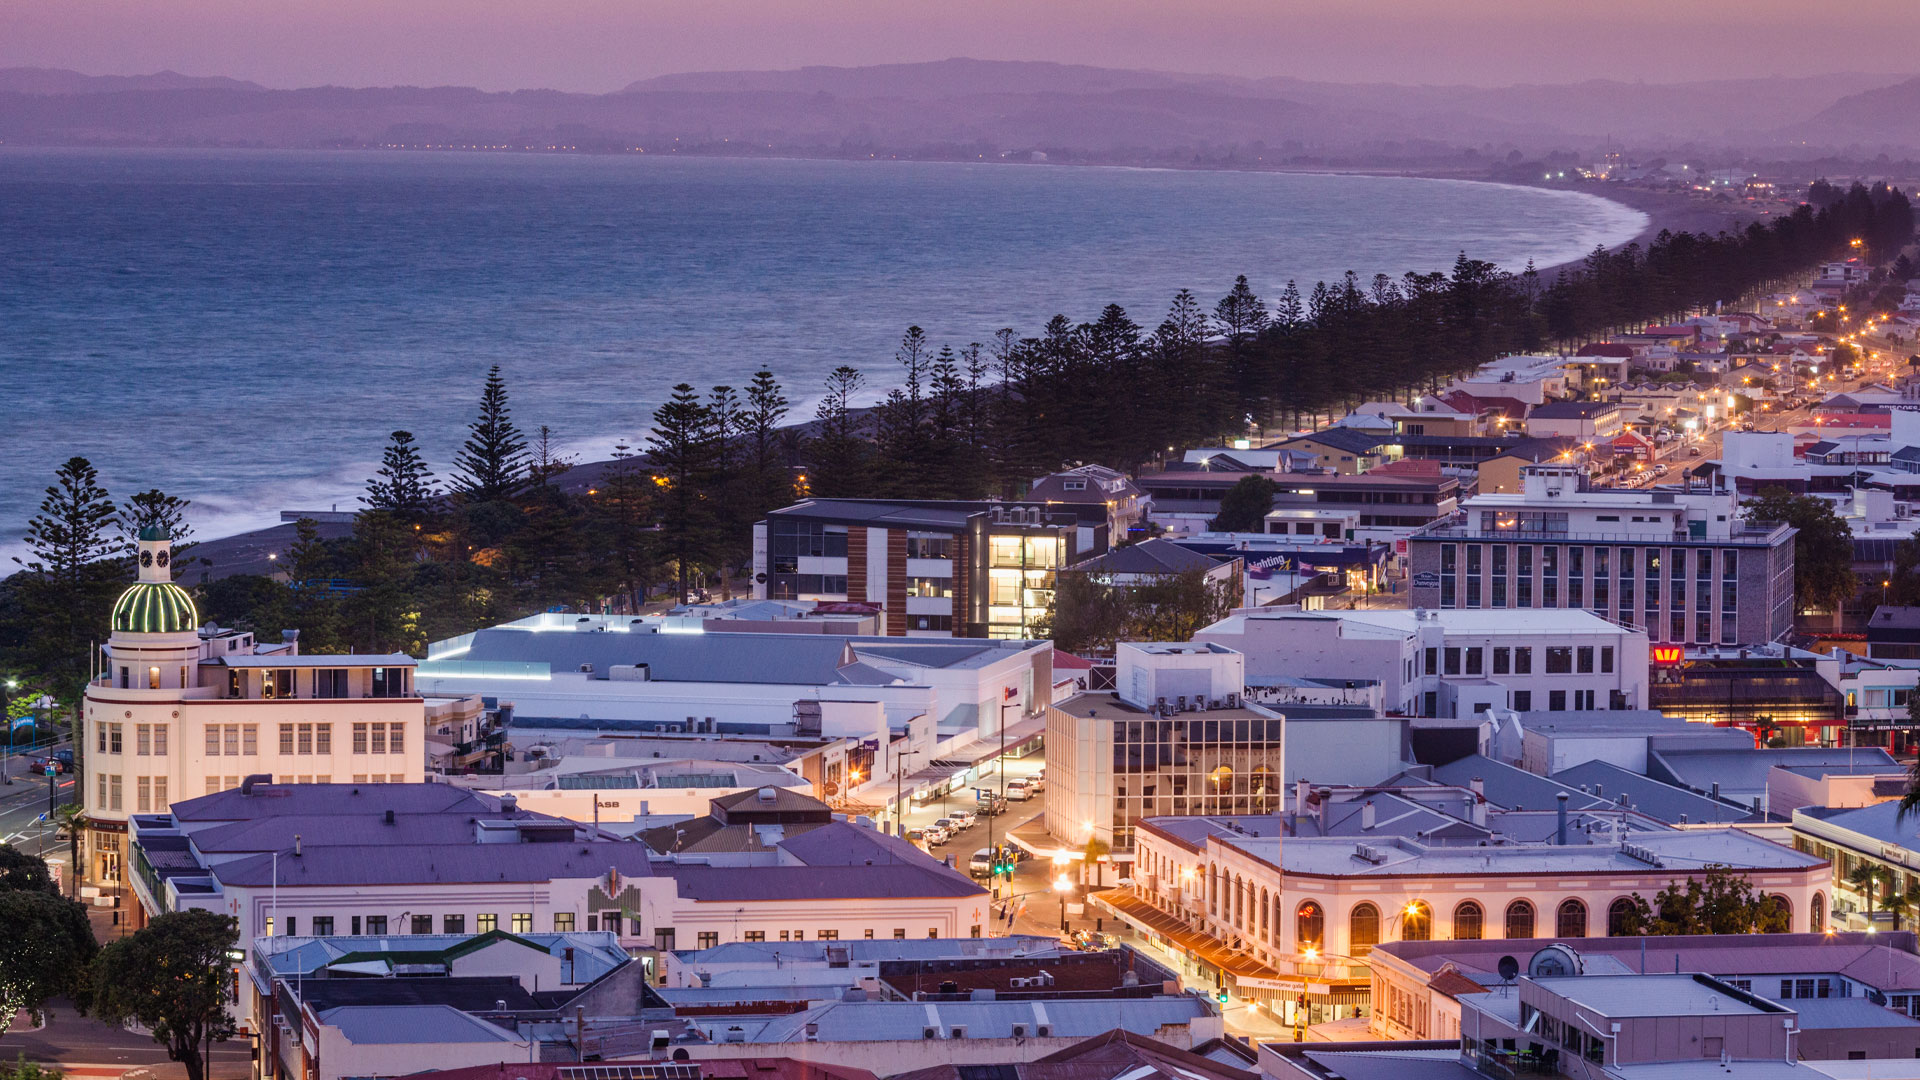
1064 886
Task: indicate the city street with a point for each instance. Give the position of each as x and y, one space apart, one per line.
84 1047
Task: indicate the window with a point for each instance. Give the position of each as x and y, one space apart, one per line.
1620 918
1520 919
1309 925
1476 661
113 792
827 935
330 683
143 740
1583 659
898 934
1606 659
213 740
1523 701
160 803
250 739
304 738
1433 662
1468 920
422 924
455 924
1416 922
359 738
930 587
113 739
323 926
323 738
1502 660
1556 701
379 738
1453 660
1559 660
523 922
396 738
143 795
1572 920
486 923
286 738
1363 929
761 935
707 939
376 924
1523 660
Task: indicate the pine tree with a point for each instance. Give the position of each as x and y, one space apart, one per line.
682 451
547 462
492 463
837 453
155 509
626 503
404 484
70 581
772 482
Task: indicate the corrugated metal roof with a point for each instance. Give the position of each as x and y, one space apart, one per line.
438 864
369 1024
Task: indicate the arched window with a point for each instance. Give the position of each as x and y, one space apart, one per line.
1309 925
1416 921
1264 908
1817 916
1468 921
1620 918
1520 919
1573 919
1363 929
1781 913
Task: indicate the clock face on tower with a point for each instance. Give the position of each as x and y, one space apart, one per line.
160 559
146 558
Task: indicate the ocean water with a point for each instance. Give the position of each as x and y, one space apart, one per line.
244 328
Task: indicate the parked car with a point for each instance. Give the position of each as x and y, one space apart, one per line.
964 818
948 825
981 865
990 806
1018 791
62 762
936 836
1038 781
1693 451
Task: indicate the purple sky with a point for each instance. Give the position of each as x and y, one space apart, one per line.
598 45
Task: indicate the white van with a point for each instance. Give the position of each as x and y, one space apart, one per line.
1019 791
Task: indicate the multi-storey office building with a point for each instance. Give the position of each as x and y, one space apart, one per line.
936 569
1176 738
181 711
1449 663
1684 565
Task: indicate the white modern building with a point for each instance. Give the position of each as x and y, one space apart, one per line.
181 710
1686 566
1449 663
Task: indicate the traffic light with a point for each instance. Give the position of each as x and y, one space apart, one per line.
1220 995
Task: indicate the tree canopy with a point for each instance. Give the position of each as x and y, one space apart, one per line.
1822 548
171 976
46 941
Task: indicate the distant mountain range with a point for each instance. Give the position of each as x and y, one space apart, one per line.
975 108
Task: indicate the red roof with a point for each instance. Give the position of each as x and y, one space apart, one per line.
1606 348
1407 467
1070 662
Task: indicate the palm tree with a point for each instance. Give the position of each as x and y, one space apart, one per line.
1866 879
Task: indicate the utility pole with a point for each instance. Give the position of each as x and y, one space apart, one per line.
993 812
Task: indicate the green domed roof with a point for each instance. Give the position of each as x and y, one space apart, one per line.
154 607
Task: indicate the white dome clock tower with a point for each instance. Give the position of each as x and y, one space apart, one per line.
133 727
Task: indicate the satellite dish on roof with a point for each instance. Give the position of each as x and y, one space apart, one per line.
1554 961
1508 968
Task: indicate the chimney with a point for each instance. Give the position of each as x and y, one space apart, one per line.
247 785
1300 789
1561 832
292 640
1478 786
1715 793
509 803
1366 815
296 845
389 817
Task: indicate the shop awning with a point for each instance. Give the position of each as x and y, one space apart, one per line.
1129 905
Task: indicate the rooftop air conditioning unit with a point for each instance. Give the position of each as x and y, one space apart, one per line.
1019 1031
929 1033
958 1031
1043 1030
